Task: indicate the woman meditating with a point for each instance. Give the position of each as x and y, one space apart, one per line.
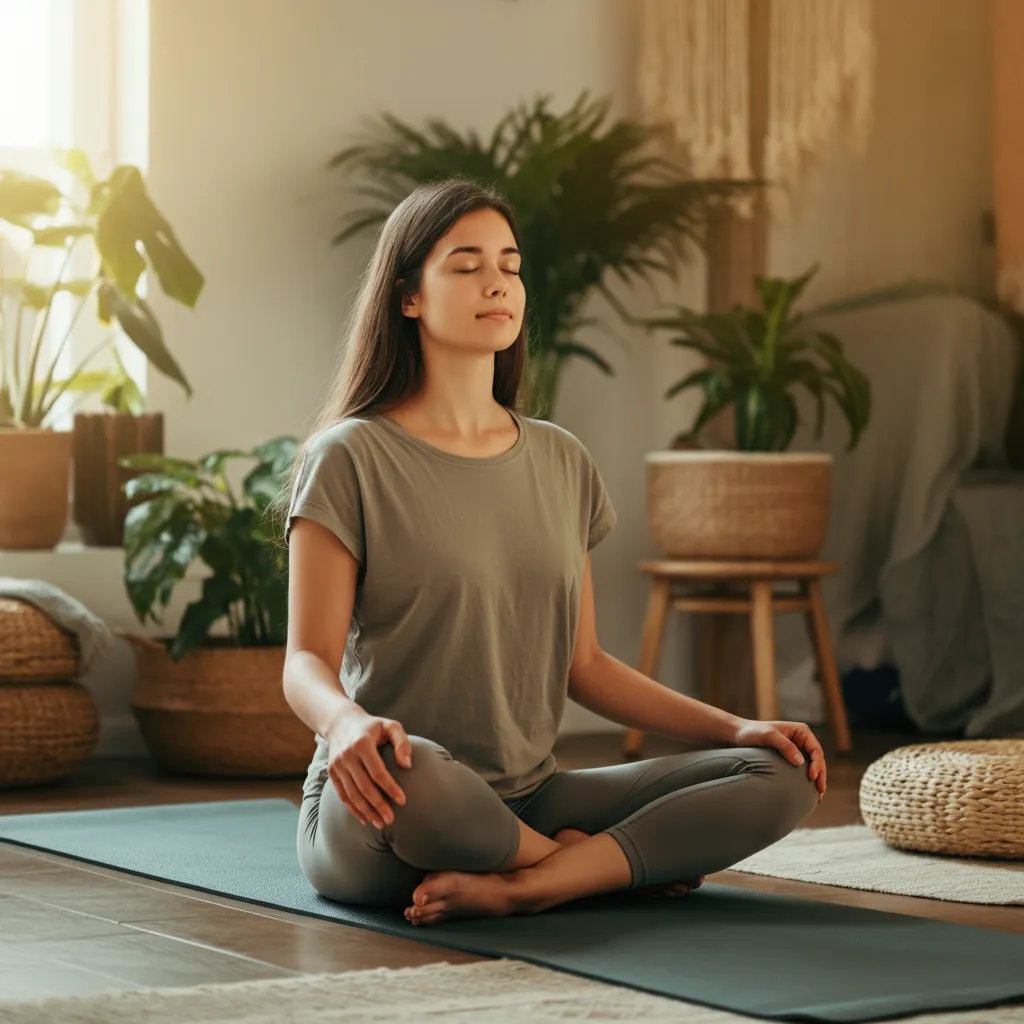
440 573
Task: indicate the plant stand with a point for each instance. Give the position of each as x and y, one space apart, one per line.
671 580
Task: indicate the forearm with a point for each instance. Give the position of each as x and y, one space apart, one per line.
313 692
620 693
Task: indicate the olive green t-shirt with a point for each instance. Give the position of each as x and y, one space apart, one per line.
468 591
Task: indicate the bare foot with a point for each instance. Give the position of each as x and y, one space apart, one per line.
447 894
672 890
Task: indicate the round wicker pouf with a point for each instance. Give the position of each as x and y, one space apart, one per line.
964 797
218 711
46 731
32 648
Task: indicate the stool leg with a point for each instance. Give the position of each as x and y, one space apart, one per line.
762 636
817 625
650 649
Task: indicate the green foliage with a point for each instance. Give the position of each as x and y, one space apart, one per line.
129 236
758 357
189 511
592 201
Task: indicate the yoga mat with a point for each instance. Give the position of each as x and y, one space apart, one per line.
748 952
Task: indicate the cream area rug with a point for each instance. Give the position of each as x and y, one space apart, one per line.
854 857
497 991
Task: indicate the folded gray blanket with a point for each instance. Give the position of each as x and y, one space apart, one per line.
68 613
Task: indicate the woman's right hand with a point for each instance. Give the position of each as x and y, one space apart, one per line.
357 769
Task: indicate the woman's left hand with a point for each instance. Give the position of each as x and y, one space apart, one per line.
788 738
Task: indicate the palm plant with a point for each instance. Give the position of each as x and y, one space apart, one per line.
760 356
129 236
592 201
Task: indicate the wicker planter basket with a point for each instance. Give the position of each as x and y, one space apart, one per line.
218 711
962 797
727 504
46 731
35 485
32 648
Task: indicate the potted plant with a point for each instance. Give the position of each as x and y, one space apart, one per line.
128 236
760 500
211 703
592 201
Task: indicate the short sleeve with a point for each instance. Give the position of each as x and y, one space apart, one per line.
327 491
602 513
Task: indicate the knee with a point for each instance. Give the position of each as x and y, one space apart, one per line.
422 777
794 792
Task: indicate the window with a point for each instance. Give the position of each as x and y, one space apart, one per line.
73 73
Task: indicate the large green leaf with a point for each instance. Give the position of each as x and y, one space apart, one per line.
25 198
125 218
218 594
139 323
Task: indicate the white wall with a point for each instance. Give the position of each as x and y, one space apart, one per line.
912 204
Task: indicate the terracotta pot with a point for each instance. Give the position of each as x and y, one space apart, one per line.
100 438
730 504
218 711
35 475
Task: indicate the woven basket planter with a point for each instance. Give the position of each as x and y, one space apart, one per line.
964 797
727 504
32 648
35 484
46 731
218 711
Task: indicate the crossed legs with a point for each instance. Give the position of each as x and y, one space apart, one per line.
456 849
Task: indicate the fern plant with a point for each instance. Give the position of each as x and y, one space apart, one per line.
593 201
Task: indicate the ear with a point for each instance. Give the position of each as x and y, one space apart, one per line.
410 303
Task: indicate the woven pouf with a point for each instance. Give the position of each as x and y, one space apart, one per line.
32 648
964 797
46 731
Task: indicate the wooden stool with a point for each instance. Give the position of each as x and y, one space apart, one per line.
671 580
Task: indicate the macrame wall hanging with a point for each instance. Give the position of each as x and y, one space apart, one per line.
695 74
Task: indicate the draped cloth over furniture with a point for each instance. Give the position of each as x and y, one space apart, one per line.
695 73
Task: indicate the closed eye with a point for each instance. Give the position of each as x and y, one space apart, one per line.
475 269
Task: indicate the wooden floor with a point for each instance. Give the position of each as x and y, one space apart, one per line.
71 928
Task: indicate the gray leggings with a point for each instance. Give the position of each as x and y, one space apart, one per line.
675 817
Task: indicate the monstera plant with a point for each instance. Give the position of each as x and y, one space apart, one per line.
594 201
106 234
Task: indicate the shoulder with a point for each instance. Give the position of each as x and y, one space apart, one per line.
348 434
557 442
553 436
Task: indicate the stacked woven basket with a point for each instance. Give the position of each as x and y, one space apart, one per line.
49 723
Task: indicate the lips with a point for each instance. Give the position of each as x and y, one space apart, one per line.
497 315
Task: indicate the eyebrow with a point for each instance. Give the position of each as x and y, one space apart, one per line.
476 249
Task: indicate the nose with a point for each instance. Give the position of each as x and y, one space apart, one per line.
496 283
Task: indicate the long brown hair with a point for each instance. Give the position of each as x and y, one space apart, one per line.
380 363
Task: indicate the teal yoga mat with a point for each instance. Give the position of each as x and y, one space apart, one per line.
749 952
